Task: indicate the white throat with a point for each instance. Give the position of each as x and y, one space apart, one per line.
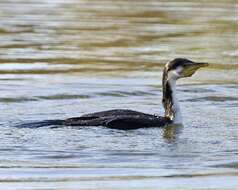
176 115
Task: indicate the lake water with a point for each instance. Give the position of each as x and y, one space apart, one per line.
61 59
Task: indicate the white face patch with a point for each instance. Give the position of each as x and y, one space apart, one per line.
179 70
175 74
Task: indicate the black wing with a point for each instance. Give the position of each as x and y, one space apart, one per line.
119 119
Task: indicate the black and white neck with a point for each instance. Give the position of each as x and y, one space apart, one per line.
170 101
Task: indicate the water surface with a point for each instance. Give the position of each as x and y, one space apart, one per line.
60 59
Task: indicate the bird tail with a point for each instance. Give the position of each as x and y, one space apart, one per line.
40 124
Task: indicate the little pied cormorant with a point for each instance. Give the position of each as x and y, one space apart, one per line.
128 119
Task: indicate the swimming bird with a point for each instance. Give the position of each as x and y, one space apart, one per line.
129 119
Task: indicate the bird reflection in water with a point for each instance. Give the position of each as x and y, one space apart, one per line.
171 132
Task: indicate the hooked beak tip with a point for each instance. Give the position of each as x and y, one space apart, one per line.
202 64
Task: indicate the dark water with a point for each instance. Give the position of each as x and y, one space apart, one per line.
61 59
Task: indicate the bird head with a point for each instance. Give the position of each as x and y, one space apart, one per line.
181 68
